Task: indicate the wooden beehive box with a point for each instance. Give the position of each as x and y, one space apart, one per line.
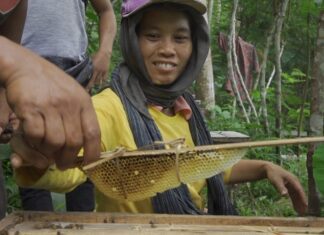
29 223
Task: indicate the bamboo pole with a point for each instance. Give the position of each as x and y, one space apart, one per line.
268 143
248 144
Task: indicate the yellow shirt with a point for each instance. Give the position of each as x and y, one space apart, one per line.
116 132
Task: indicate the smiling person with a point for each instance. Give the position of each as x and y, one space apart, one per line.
164 46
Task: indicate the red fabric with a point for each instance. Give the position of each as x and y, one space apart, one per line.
181 106
7 5
247 59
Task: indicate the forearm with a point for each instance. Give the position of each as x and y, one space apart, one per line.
107 32
249 170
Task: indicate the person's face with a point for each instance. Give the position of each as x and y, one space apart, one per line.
165 43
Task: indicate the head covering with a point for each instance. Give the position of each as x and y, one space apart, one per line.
134 78
131 6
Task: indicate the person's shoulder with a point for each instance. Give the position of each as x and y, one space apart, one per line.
107 101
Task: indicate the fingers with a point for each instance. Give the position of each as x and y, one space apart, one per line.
90 83
24 154
297 196
281 188
91 137
54 139
288 185
33 127
73 142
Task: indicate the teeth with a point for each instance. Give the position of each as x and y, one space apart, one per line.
164 65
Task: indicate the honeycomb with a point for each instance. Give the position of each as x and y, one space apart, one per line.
137 175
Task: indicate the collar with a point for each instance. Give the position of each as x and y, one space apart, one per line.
180 106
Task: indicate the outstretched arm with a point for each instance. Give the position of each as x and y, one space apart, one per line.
107 33
286 183
55 113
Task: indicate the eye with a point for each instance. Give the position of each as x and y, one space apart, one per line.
151 36
182 38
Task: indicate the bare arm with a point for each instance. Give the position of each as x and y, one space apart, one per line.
56 114
286 183
107 33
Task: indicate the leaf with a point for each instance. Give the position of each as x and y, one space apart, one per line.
318 168
5 151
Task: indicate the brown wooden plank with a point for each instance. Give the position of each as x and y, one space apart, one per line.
61 228
10 221
84 217
83 223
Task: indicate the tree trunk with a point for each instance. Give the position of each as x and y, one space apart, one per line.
205 83
218 12
210 11
262 79
277 45
230 61
238 72
317 111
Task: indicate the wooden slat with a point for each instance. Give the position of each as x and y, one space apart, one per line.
82 217
82 223
36 228
10 221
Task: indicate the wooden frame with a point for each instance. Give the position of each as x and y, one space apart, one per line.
84 223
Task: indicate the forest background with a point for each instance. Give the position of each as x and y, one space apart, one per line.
286 94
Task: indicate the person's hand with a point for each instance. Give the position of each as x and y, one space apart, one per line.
8 120
100 62
56 114
9 129
4 117
287 184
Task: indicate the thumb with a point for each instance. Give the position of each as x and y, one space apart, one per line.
16 160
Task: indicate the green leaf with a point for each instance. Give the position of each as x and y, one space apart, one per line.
5 151
318 168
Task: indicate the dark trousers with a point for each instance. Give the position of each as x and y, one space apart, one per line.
80 199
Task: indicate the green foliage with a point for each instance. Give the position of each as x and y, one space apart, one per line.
13 198
4 151
261 198
318 167
223 120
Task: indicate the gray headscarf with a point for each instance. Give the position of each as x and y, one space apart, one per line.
135 80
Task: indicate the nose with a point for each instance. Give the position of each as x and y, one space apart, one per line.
167 48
